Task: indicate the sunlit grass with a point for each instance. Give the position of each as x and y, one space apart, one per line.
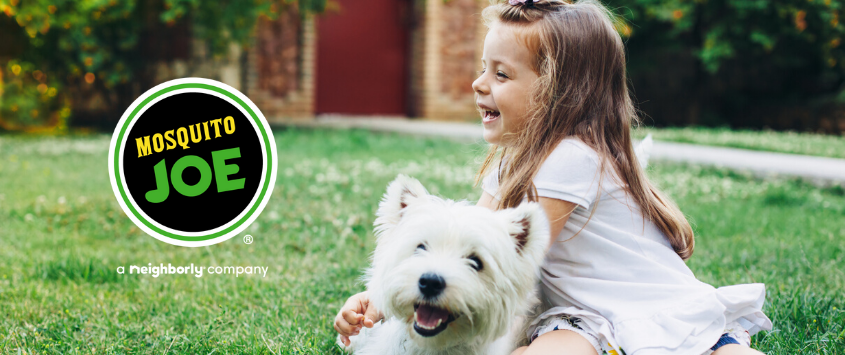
63 235
783 142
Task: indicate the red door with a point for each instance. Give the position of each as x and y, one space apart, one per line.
362 58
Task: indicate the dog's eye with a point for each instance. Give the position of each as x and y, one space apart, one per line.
477 264
421 247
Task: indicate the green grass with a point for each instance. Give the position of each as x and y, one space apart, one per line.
63 236
783 142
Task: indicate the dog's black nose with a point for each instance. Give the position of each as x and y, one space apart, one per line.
431 284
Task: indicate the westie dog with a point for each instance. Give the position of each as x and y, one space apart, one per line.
450 278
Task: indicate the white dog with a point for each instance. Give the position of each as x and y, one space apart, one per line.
450 278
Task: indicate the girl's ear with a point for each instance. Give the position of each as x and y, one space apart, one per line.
401 193
529 228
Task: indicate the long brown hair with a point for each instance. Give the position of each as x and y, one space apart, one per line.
581 92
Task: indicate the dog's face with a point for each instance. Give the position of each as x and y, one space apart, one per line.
450 271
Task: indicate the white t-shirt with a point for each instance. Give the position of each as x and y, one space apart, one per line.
620 275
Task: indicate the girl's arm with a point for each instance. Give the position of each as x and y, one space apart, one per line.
557 211
486 201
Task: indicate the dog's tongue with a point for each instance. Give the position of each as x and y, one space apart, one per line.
428 315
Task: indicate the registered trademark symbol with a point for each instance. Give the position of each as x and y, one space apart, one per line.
248 239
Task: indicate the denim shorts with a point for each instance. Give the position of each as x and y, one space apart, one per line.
734 333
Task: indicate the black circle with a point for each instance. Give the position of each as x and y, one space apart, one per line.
210 209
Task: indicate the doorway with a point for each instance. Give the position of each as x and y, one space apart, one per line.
362 58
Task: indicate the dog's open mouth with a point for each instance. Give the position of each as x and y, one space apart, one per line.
430 320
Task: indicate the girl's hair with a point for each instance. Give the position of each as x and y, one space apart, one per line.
582 92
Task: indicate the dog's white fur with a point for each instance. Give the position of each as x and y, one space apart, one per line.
510 243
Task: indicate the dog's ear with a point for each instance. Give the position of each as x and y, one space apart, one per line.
401 193
528 227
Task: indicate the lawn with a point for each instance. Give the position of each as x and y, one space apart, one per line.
64 235
767 140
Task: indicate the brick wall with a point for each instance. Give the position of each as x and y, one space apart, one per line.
278 71
281 67
451 54
445 51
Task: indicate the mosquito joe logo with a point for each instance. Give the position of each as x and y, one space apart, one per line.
192 162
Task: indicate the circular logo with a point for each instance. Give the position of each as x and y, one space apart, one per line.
192 162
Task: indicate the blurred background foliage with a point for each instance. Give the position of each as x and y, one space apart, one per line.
775 64
56 54
743 63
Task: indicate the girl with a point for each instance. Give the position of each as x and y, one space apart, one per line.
556 110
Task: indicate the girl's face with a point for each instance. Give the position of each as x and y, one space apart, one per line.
503 88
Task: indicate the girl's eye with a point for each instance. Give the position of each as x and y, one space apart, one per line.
503 75
421 247
480 72
477 264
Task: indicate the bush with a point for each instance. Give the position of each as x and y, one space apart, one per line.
55 54
737 62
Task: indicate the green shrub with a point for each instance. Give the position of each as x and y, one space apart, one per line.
55 53
748 63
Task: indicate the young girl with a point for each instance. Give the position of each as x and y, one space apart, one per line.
556 110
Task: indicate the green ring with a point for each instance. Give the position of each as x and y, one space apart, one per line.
268 167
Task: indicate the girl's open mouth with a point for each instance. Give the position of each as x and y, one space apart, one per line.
490 116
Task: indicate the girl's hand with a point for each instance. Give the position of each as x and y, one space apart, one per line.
357 312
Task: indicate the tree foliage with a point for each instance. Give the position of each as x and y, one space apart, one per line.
745 52
55 50
790 32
